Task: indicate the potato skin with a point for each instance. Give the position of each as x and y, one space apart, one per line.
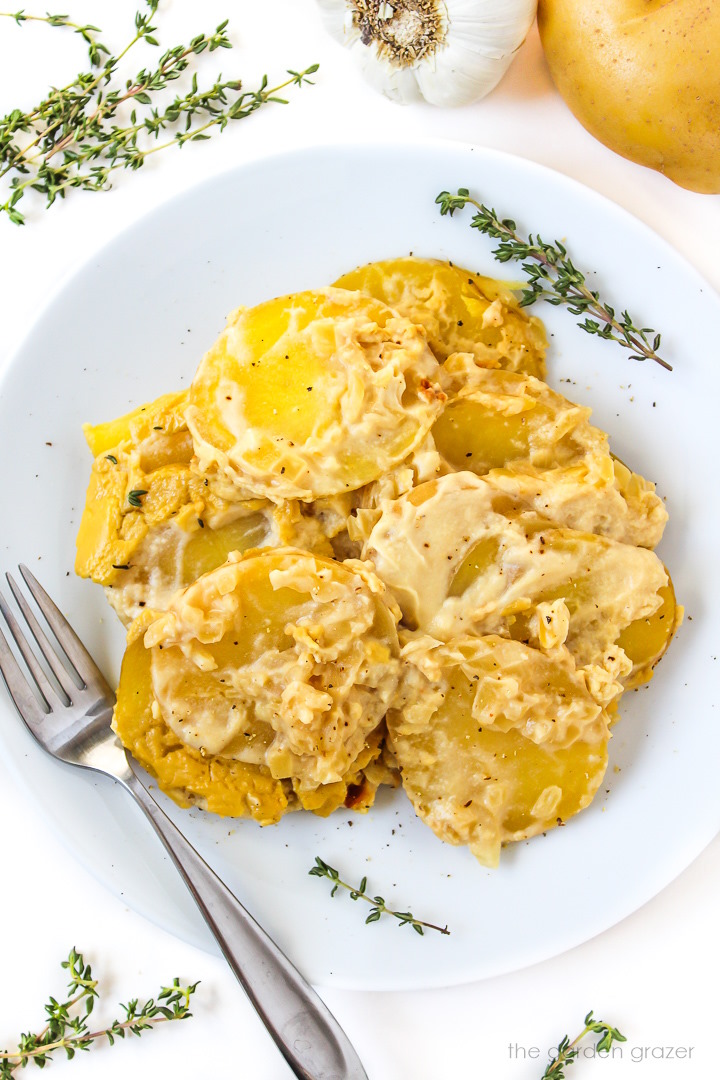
643 76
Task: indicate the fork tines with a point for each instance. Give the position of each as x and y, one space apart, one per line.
68 662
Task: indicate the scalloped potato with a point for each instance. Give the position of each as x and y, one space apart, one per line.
461 312
495 740
540 449
145 548
370 546
311 395
280 660
460 561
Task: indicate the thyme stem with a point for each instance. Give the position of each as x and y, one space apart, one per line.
554 278
67 1028
86 31
568 1051
379 907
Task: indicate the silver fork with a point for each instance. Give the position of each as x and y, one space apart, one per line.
71 721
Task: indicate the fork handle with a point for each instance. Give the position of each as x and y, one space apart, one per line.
305 1031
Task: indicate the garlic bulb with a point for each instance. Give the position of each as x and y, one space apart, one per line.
449 52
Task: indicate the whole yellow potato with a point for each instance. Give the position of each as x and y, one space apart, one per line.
643 76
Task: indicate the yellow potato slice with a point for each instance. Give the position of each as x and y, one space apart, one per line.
645 641
173 554
150 525
496 741
150 455
461 311
282 659
540 449
164 414
226 786
495 418
459 562
311 395
190 777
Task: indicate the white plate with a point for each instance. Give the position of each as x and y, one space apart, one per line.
135 322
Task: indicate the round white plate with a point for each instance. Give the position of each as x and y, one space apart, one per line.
135 322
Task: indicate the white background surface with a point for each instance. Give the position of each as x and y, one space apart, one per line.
653 975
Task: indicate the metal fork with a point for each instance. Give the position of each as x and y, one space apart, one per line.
71 721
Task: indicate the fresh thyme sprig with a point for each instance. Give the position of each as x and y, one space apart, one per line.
58 115
67 1025
568 1051
554 278
75 138
379 907
87 32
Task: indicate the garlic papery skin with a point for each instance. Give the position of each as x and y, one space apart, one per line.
447 52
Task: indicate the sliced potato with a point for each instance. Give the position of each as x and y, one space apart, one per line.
311 395
497 418
459 562
175 553
278 658
227 786
150 525
189 776
645 641
461 311
496 741
165 414
540 449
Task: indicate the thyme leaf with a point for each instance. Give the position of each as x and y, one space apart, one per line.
567 1051
378 905
553 277
67 1026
